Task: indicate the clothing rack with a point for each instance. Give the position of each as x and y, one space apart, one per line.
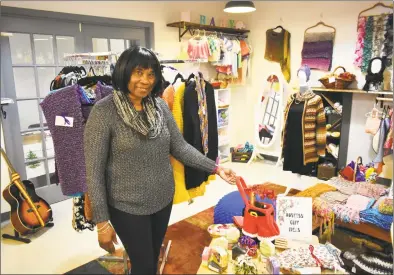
179 61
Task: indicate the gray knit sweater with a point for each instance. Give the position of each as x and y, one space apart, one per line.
128 171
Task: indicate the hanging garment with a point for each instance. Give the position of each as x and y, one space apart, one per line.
181 193
360 41
192 130
313 127
101 91
277 49
317 50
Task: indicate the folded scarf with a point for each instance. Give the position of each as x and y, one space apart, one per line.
386 207
334 197
373 216
371 190
350 212
344 186
316 190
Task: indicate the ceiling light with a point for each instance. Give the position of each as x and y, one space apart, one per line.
239 7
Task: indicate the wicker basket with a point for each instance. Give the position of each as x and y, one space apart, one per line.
339 83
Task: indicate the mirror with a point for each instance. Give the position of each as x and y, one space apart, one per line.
269 112
376 65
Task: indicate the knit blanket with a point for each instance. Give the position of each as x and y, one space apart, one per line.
317 50
334 197
375 217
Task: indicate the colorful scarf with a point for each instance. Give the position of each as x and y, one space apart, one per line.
317 50
202 111
149 122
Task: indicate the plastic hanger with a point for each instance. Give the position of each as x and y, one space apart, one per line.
380 4
323 24
176 78
278 27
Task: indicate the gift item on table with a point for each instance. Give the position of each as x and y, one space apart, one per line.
334 197
249 245
232 235
258 221
218 259
267 248
245 265
386 206
344 186
366 261
312 256
220 242
322 209
205 256
237 250
272 265
281 243
371 190
354 171
220 230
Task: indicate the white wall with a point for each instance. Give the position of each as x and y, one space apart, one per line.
296 17
5 177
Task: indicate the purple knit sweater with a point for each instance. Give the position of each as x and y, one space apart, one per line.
68 141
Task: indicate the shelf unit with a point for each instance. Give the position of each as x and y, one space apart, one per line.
184 27
223 105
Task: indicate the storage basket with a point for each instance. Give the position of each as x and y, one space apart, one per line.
325 172
340 82
241 157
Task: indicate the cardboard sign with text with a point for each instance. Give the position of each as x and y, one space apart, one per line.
294 218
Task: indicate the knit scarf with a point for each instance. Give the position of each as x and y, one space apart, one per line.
202 112
151 125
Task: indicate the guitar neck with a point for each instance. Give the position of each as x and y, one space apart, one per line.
10 167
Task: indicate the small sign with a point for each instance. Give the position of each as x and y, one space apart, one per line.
212 22
64 121
331 79
203 20
231 23
294 218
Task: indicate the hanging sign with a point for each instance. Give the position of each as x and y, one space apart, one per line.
231 23
203 20
294 218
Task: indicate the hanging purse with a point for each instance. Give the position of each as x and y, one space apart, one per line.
373 122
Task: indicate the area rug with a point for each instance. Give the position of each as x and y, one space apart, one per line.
188 239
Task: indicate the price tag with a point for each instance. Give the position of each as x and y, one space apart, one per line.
331 79
64 121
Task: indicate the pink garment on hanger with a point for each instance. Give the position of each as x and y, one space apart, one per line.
360 41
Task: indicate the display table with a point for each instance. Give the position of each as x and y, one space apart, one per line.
260 265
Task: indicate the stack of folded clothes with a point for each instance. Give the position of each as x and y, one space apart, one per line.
381 214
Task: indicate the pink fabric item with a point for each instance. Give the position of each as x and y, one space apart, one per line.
371 190
350 212
360 41
198 49
322 64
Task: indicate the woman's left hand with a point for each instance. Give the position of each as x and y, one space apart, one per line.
227 174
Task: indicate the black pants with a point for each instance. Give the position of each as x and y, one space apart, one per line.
142 237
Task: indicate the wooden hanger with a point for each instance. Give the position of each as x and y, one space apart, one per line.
380 4
321 23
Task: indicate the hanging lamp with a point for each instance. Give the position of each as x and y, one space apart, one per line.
239 7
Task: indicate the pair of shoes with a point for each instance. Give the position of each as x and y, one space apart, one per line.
333 150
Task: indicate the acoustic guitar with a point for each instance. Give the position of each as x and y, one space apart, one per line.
29 212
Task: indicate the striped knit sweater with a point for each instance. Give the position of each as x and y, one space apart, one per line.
313 128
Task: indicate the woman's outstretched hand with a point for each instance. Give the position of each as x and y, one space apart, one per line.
227 174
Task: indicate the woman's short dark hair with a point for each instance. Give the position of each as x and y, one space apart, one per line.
131 59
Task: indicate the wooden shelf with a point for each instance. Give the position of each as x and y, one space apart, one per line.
192 27
353 91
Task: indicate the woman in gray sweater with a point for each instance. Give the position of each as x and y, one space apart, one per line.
129 138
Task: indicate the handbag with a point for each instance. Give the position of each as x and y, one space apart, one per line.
372 124
354 171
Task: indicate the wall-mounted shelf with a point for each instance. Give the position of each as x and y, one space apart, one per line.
353 91
185 27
